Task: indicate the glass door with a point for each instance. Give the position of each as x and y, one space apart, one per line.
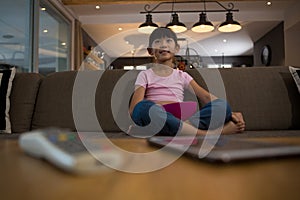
54 44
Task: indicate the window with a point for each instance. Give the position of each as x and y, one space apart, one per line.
219 65
15 48
141 67
128 67
35 36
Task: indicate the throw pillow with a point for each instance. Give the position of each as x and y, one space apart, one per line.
6 77
296 75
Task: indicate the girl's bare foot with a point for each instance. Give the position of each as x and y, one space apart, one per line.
231 128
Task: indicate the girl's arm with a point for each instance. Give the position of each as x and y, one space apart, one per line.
138 96
204 96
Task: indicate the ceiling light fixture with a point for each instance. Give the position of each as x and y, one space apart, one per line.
175 24
229 25
148 26
202 26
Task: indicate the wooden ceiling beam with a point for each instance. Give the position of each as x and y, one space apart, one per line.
94 2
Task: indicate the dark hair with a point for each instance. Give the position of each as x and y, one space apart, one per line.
160 33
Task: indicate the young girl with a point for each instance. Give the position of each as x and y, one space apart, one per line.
162 84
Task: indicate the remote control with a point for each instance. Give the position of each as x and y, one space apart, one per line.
67 150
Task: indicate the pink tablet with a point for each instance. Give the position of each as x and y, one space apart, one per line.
182 110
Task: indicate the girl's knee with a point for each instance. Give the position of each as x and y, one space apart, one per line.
141 109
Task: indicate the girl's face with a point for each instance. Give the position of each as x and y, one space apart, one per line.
164 49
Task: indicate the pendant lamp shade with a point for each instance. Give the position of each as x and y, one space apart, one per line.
175 25
203 25
148 26
229 25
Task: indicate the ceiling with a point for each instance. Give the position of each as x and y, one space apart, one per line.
103 26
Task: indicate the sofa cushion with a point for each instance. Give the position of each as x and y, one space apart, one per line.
23 97
82 101
54 101
266 96
6 79
113 95
263 96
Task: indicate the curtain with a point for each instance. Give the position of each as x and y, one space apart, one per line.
78 45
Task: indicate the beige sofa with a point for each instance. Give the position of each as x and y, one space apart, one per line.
98 100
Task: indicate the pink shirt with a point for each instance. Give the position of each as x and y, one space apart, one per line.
169 88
